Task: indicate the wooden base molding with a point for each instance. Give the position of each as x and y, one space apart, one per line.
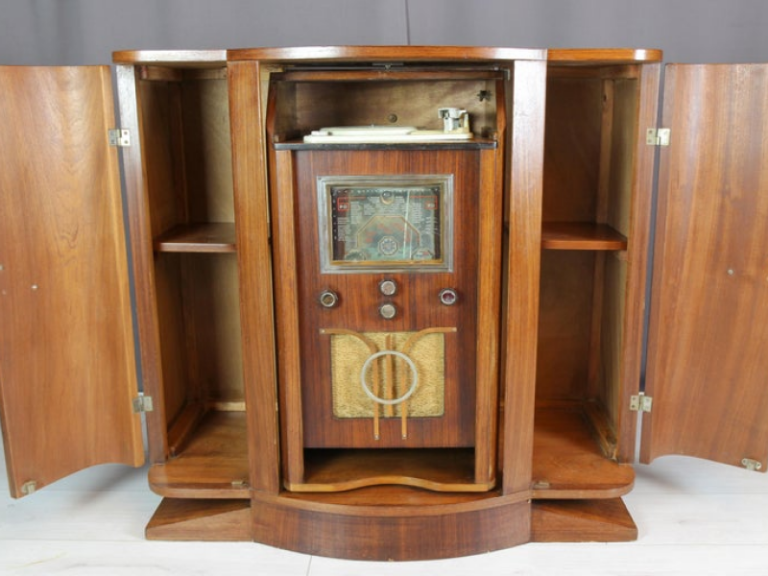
582 521
200 520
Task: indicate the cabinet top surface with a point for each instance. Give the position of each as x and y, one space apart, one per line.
320 54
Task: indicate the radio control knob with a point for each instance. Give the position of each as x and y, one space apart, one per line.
448 296
328 299
388 287
387 311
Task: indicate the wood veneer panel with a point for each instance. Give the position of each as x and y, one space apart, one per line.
339 54
568 462
385 533
247 102
709 322
581 236
216 237
179 519
438 470
67 369
582 521
212 464
521 302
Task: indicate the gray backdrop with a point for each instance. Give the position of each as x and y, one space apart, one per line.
87 31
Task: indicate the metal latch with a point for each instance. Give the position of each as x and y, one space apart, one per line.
641 403
657 137
119 137
143 404
752 465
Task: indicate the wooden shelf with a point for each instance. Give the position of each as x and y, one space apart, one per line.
567 460
208 237
581 236
441 470
213 463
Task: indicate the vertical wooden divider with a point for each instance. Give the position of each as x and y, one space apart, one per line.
246 101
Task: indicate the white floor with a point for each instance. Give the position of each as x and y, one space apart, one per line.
694 517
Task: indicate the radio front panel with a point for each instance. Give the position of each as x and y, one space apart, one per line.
388 303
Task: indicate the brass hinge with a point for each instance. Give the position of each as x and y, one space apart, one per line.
119 137
752 465
29 488
657 137
640 403
142 404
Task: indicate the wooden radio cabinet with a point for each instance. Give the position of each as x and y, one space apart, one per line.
405 342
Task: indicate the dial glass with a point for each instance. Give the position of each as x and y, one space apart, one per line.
385 223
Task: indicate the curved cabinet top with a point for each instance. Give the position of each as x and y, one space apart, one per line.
319 54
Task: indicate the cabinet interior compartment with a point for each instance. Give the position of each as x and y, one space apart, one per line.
184 115
303 100
306 100
590 136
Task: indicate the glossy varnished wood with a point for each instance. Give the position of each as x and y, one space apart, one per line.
200 520
520 304
67 370
371 532
211 464
581 236
342 54
247 106
582 521
568 462
709 320
212 237
437 470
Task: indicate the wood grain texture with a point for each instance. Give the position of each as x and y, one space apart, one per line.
463 54
581 236
142 262
213 237
247 105
582 521
212 464
436 470
641 172
593 56
520 323
568 462
384 533
709 321
200 520
66 347
417 301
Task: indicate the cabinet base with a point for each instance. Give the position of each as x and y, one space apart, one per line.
201 520
405 531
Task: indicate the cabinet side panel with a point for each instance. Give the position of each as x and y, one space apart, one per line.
709 323
247 109
67 367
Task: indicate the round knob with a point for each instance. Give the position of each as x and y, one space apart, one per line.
388 287
328 299
448 296
387 311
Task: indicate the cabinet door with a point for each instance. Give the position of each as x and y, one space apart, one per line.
67 368
708 341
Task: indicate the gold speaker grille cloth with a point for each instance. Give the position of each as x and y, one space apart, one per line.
348 354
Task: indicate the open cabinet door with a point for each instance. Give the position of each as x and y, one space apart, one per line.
67 368
708 340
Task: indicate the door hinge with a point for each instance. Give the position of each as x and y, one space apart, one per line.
657 137
142 404
752 465
640 403
119 137
29 488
